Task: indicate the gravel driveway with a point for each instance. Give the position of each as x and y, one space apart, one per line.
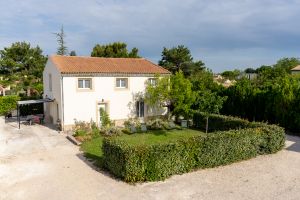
38 163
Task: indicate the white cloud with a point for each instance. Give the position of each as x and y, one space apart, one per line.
213 29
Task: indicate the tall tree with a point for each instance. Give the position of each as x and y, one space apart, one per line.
114 50
180 58
22 67
62 48
21 57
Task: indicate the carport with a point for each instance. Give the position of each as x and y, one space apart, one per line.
27 102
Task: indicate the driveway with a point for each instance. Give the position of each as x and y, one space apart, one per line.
37 162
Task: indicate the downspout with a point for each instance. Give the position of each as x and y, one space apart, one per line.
62 103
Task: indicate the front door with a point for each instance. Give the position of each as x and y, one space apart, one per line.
101 108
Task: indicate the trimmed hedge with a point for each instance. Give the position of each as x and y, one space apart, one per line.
134 163
221 122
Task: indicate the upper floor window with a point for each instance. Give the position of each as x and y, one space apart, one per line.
50 82
122 83
84 83
152 81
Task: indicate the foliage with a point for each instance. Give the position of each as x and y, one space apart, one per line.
114 50
140 161
73 53
220 122
180 59
84 131
272 97
105 120
21 67
161 124
231 75
174 92
62 49
8 103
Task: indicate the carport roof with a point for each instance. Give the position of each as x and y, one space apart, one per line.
26 102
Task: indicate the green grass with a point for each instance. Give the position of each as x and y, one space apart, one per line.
93 148
158 136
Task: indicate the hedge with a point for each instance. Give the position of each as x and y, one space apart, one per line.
135 163
221 122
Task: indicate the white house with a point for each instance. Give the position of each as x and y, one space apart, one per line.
80 86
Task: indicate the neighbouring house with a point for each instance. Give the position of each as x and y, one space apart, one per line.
296 70
81 86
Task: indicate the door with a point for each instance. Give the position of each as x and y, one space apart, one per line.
101 108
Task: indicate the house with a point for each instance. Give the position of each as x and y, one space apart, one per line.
81 86
296 70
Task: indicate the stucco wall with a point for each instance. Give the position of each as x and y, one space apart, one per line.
82 105
51 114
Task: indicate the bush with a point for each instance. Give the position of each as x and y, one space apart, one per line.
136 162
220 122
7 104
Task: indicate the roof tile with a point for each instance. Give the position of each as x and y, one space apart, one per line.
81 64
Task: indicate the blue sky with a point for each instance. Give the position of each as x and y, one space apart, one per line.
223 34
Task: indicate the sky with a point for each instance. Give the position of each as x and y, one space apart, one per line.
225 35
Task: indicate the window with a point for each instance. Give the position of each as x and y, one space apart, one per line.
152 81
122 83
140 108
85 83
50 82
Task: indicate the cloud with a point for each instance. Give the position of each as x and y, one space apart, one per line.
224 34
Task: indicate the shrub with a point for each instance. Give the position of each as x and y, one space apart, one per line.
220 122
136 162
7 104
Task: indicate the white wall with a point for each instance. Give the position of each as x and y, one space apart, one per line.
51 108
82 105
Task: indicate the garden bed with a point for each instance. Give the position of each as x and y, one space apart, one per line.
152 157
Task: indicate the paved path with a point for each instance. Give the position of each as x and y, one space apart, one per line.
38 163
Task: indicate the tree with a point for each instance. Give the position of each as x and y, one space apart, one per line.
73 53
250 70
174 92
62 49
21 57
231 75
114 50
209 103
180 58
286 64
23 66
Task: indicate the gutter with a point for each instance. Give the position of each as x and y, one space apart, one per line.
62 103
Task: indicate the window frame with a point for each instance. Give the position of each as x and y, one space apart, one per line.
84 80
152 81
118 83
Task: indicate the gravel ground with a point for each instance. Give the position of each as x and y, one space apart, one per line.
38 163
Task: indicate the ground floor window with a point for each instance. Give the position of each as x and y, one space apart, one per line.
140 108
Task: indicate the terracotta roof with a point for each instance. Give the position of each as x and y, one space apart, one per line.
297 68
81 64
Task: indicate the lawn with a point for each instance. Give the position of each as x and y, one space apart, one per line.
93 148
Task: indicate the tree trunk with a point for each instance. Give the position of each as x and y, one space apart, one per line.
206 124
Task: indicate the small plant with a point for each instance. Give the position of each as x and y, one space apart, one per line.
85 131
105 120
